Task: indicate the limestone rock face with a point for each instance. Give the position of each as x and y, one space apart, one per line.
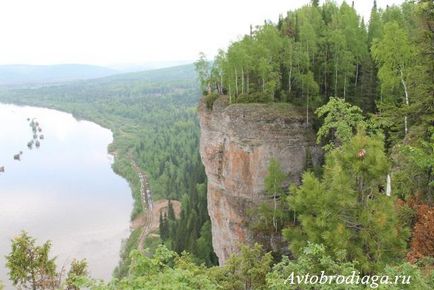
236 144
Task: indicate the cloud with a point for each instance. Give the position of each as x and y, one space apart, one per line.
130 31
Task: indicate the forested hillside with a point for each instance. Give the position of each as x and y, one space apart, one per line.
314 53
365 86
368 90
153 118
384 67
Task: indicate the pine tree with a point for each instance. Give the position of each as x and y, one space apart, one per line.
375 25
340 121
205 251
164 227
170 211
345 210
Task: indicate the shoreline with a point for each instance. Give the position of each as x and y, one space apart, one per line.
111 149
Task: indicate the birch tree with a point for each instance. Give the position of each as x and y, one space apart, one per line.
394 53
203 72
273 186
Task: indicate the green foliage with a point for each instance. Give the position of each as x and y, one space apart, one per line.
210 99
394 53
76 274
268 218
29 264
311 54
154 121
164 270
192 231
423 157
407 216
274 178
375 25
340 121
127 246
418 279
203 71
320 51
164 227
313 260
345 209
247 270
205 251
405 70
413 170
273 186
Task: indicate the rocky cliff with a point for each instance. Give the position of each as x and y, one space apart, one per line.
237 142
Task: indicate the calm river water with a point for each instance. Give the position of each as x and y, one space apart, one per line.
64 191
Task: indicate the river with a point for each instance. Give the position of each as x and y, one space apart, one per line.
64 191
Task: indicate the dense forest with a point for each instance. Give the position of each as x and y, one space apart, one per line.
153 119
315 53
368 90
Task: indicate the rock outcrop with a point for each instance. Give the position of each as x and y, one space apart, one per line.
237 142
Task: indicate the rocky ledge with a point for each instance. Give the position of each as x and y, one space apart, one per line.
237 142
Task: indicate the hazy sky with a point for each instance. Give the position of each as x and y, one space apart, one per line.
107 32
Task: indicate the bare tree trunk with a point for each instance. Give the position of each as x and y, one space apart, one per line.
274 213
289 81
406 101
221 83
33 280
248 81
345 85
357 76
242 80
302 88
336 78
325 74
307 109
388 185
236 82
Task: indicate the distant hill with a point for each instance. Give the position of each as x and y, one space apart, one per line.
36 74
151 65
178 73
152 83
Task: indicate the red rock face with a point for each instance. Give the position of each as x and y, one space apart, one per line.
237 142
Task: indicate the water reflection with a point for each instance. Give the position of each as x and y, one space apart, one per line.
64 191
